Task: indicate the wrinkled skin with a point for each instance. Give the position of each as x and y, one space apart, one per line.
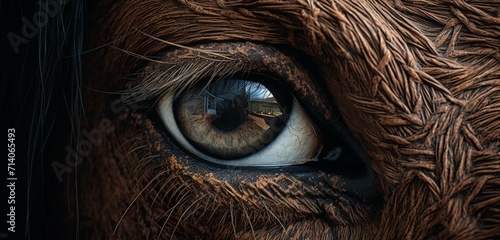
416 83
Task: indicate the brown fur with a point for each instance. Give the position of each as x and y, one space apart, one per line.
417 82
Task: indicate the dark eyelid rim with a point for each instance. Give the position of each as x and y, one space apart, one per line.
245 57
251 57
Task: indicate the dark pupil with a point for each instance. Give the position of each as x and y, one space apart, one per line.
232 114
234 102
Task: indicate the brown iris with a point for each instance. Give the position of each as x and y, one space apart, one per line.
231 119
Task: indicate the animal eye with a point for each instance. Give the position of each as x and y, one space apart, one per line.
241 121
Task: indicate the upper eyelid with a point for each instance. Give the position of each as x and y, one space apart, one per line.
169 78
183 68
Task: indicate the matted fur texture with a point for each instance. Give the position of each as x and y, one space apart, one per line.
416 82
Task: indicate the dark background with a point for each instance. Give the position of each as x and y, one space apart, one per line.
38 100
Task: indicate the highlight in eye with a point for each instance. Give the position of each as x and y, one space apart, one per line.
241 122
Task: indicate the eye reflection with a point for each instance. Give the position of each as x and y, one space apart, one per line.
231 119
